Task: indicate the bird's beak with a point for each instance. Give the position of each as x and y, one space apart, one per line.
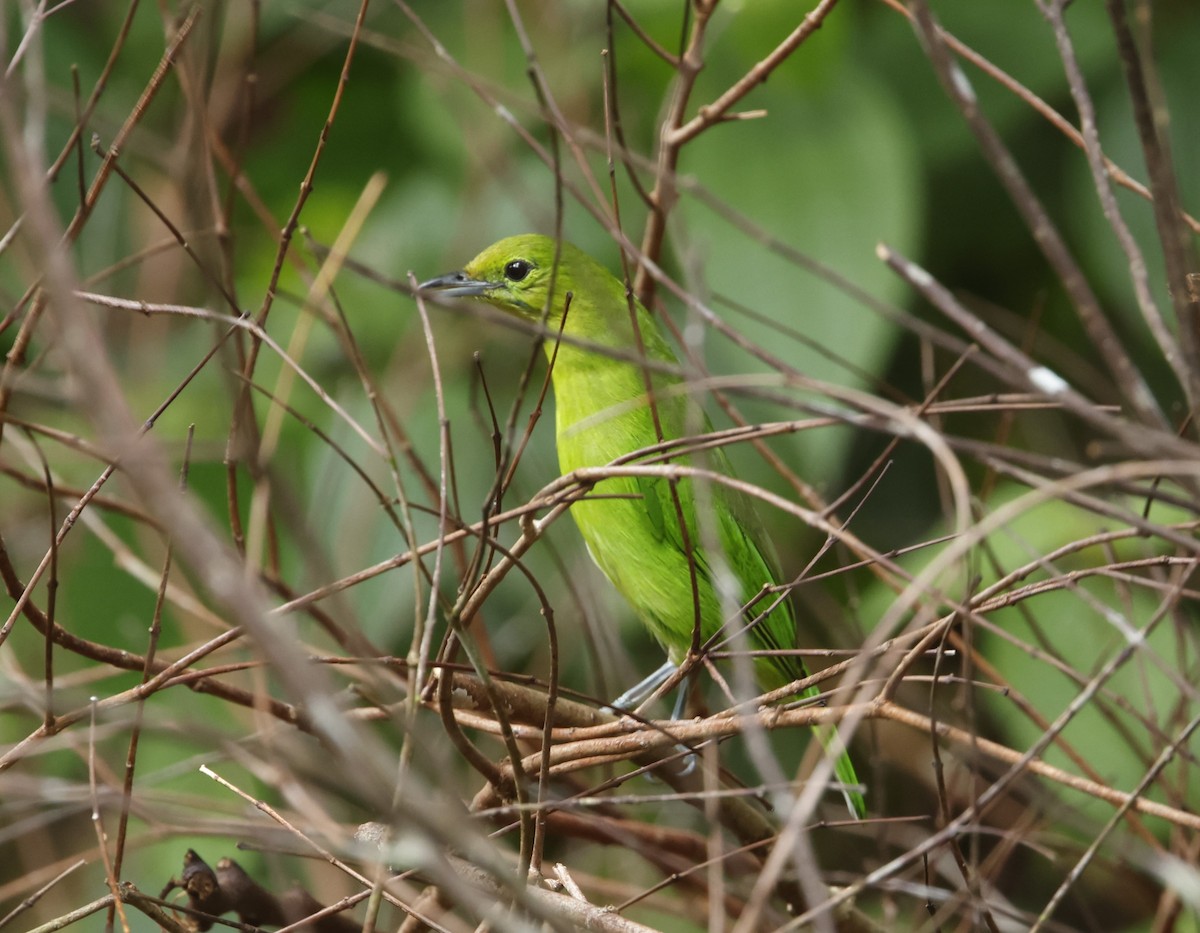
457 285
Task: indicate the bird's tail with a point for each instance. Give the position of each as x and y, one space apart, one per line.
843 768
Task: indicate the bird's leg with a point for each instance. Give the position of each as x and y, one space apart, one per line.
688 763
681 698
636 694
633 697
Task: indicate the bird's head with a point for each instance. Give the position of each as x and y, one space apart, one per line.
514 275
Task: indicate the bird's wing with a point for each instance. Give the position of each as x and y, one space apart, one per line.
747 559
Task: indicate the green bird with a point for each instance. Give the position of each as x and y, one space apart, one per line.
632 525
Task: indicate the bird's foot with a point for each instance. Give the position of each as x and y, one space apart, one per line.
637 694
632 698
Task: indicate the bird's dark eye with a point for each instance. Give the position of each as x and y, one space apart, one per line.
516 270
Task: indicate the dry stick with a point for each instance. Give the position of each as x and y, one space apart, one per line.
612 121
51 590
614 127
1170 902
715 887
110 876
75 139
556 122
260 534
234 166
655 203
460 616
1020 764
749 823
16 354
404 521
723 725
1108 344
675 134
1084 860
482 555
40 892
572 913
539 826
195 82
1142 720
234 323
646 39
1187 371
141 255
81 913
457 622
243 429
969 871
135 729
718 110
74 143
218 568
308 841
590 742
1040 494
69 522
164 675
664 195
1150 118
80 182
172 228
505 461
1149 438
1039 106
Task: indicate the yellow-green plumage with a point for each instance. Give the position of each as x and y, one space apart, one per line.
631 524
